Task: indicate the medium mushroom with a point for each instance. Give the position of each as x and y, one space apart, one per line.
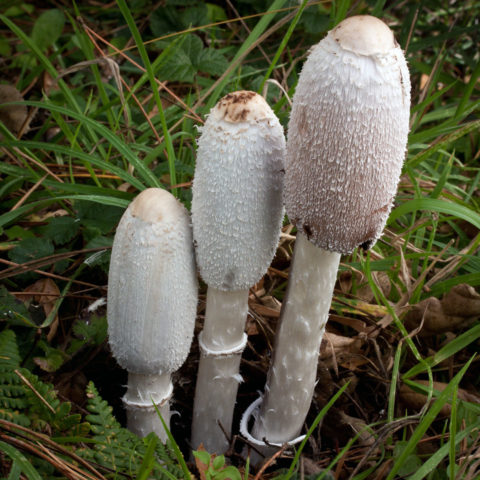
347 139
152 303
237 214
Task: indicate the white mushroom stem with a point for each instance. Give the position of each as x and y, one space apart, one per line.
221 345
144 391
291 379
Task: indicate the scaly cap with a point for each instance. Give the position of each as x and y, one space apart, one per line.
347 136
152 285
237 207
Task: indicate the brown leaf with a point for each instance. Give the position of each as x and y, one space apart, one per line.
13 116
359 426
201 467
459 307
45 292
338 350
416 400
382 280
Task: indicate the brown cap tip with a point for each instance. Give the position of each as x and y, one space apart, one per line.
241 106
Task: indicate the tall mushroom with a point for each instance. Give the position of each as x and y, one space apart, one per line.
347 139
237 214
152 303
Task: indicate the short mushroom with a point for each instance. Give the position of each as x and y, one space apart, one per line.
152 303
237 214
347 139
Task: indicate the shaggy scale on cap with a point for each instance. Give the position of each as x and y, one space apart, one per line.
347 136
237 191
152 285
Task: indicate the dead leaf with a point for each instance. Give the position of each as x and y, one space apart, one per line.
416 400
201 467
12 116
366 438
45 292
269 306
345 351
458 308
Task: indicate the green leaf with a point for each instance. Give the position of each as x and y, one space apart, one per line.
203 456
90 216
18 10
219 462
61 229
48 28
31 249
17 232
195 16
164 20
5 49
178 66
211 61
230 472
411 463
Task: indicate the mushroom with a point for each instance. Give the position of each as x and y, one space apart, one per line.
347 139
237 214
152 303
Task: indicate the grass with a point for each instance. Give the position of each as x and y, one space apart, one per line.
114 98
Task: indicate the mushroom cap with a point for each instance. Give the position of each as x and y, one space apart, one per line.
237 209
347 136
152 285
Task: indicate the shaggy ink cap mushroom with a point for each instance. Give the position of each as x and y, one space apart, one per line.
237 214
237 207
347 139
152 300
347 136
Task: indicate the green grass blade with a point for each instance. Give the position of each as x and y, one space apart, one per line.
20 460
314 425
442 143
259 28
283 44
436 205
102 200
393 384
447 351
108 135
427 420
122 4
442 453
453 432
67 151
176 449
148 459
50 69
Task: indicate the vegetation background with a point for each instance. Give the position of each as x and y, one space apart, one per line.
112 97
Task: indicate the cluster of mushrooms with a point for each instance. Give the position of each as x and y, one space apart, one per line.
336 176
